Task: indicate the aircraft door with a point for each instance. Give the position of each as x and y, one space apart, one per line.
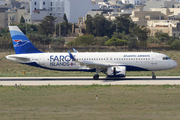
154 61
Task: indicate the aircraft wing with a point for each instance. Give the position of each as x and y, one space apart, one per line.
91 65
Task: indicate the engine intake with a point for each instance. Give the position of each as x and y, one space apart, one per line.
116 71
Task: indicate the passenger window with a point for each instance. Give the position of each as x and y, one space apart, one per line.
131 58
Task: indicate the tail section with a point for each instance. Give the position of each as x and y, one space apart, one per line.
20 42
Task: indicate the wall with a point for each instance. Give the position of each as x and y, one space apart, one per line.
158 4
77 8
3 20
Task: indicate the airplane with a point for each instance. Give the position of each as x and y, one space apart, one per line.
113 64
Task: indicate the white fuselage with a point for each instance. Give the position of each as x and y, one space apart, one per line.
133 61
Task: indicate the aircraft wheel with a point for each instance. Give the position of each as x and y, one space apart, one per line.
153 77
96 77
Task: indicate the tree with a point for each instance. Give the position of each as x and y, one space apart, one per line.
64 31
46 27
175 45
123 24
101 26
30 28
65 24
140 33
162 36
59 41
22 20
116 42
89 27
85 40
65 18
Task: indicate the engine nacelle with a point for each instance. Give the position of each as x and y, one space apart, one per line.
116 71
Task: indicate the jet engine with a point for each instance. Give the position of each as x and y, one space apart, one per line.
116 71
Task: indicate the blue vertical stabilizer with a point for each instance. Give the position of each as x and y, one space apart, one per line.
21 43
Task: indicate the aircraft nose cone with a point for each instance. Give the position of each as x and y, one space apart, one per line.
174 64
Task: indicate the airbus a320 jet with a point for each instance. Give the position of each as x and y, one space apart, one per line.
113 64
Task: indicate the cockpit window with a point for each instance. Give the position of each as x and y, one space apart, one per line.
166 58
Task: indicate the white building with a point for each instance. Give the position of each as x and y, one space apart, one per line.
78 8
56 7
134 2
73 8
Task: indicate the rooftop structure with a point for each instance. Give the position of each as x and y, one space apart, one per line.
165 26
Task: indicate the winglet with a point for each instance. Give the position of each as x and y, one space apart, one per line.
71 56
75 50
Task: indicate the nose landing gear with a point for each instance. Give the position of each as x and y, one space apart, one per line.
153 75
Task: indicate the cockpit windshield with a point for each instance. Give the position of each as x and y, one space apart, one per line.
166 58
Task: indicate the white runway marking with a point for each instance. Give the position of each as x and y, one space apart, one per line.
138 80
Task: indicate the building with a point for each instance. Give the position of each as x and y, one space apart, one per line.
76 8
13 3
134 2
141 17
112 15
167 11
79 28
72 8
159 4
3 14
47 7
165 26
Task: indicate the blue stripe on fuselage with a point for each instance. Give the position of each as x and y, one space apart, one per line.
128 68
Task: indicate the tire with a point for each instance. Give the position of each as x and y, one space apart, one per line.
96 77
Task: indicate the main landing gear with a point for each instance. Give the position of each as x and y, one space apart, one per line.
96 77
153 75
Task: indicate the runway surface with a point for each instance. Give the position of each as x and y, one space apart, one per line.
138 80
